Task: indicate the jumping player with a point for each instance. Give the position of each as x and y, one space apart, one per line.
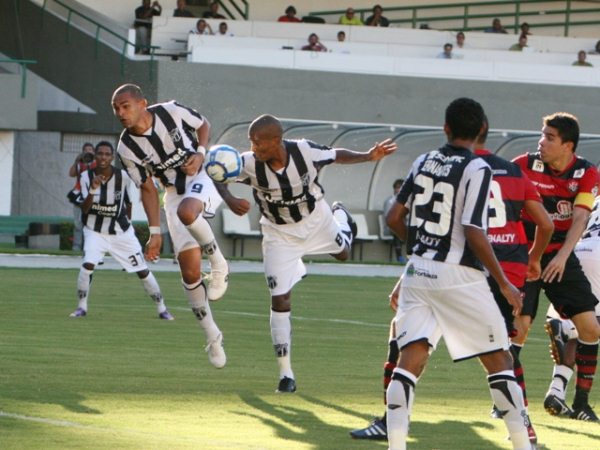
444 290
167 141
296 219
106 214
568 185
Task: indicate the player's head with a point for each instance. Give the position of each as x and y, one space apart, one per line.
483 134
464 119
104 154
129 104
398 184
566 126
265 134
87 147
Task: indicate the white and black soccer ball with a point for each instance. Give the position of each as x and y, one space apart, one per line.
223 163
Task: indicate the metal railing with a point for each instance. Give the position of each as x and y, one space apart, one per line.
71 12
514 10
23 67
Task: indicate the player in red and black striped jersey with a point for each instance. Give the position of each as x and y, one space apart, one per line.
568 185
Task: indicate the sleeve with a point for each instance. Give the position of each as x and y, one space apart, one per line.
531 192
136 172
320 154
477 195
521 161
588 189
247 171
189 116
127 190
85 182
407 189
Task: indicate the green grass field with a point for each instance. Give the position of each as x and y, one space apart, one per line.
122 379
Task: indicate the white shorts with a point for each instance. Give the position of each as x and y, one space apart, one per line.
200 187
440 299
124 247
283 246
588 253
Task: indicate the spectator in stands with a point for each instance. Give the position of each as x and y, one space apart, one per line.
223 30
143 24
377 19
460 39
83 162
314 45
447 53
596 50
519 46
202 28
341 36
181 10
213 12
581 62
290 15
496 27
525 29
349 18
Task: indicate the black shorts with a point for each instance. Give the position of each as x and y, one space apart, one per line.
505 308
570 296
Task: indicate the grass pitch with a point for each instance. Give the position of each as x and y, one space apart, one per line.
122 379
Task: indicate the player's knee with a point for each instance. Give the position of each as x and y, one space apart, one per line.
188 210
343 255
142 274
281 303
190 275
497 361
88 266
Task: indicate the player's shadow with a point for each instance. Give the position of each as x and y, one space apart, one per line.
70 400
294 423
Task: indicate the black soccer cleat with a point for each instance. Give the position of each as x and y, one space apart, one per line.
376 431
556 406
286 385
553 328
584 412
351 223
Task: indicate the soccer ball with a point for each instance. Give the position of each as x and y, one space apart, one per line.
223 163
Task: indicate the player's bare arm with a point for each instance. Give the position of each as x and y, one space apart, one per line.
556 267
479 244
375 153
239 206
393 297
149 195
193 164
396 220
543 234
95 184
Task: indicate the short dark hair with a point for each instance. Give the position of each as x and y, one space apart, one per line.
104 144
399 182
566 124
266 122
290 9
464 118
133 89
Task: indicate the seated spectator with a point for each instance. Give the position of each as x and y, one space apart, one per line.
596 50
496 27
519 46
143 25
202 28
460 39
314 45
349 18
223 30
213 12
581 62
447 53
525 29
377 19
181 10
290 15
341 36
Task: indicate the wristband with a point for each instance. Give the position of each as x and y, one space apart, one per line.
154 230
201 149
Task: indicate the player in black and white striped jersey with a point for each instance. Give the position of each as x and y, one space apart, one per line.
106 213
444 289
296 220
167 142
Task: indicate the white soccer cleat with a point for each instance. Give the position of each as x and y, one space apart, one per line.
216 353
219 280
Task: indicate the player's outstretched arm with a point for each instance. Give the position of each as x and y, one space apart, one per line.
149 195
239 206
375 153
543 234
479 244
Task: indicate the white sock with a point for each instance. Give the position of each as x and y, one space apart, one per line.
153 290
196 295
83 287
508 397
341 219
560 380
400 396
201 231
281 335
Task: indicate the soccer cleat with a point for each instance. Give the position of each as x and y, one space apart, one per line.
166 315
216 353
495 413
351 223
286 384
584 413
558 340
79 312
377 431
556 406
219 280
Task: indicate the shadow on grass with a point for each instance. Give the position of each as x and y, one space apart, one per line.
71 401
299 423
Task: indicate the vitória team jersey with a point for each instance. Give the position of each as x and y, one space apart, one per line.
446 189
289 195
